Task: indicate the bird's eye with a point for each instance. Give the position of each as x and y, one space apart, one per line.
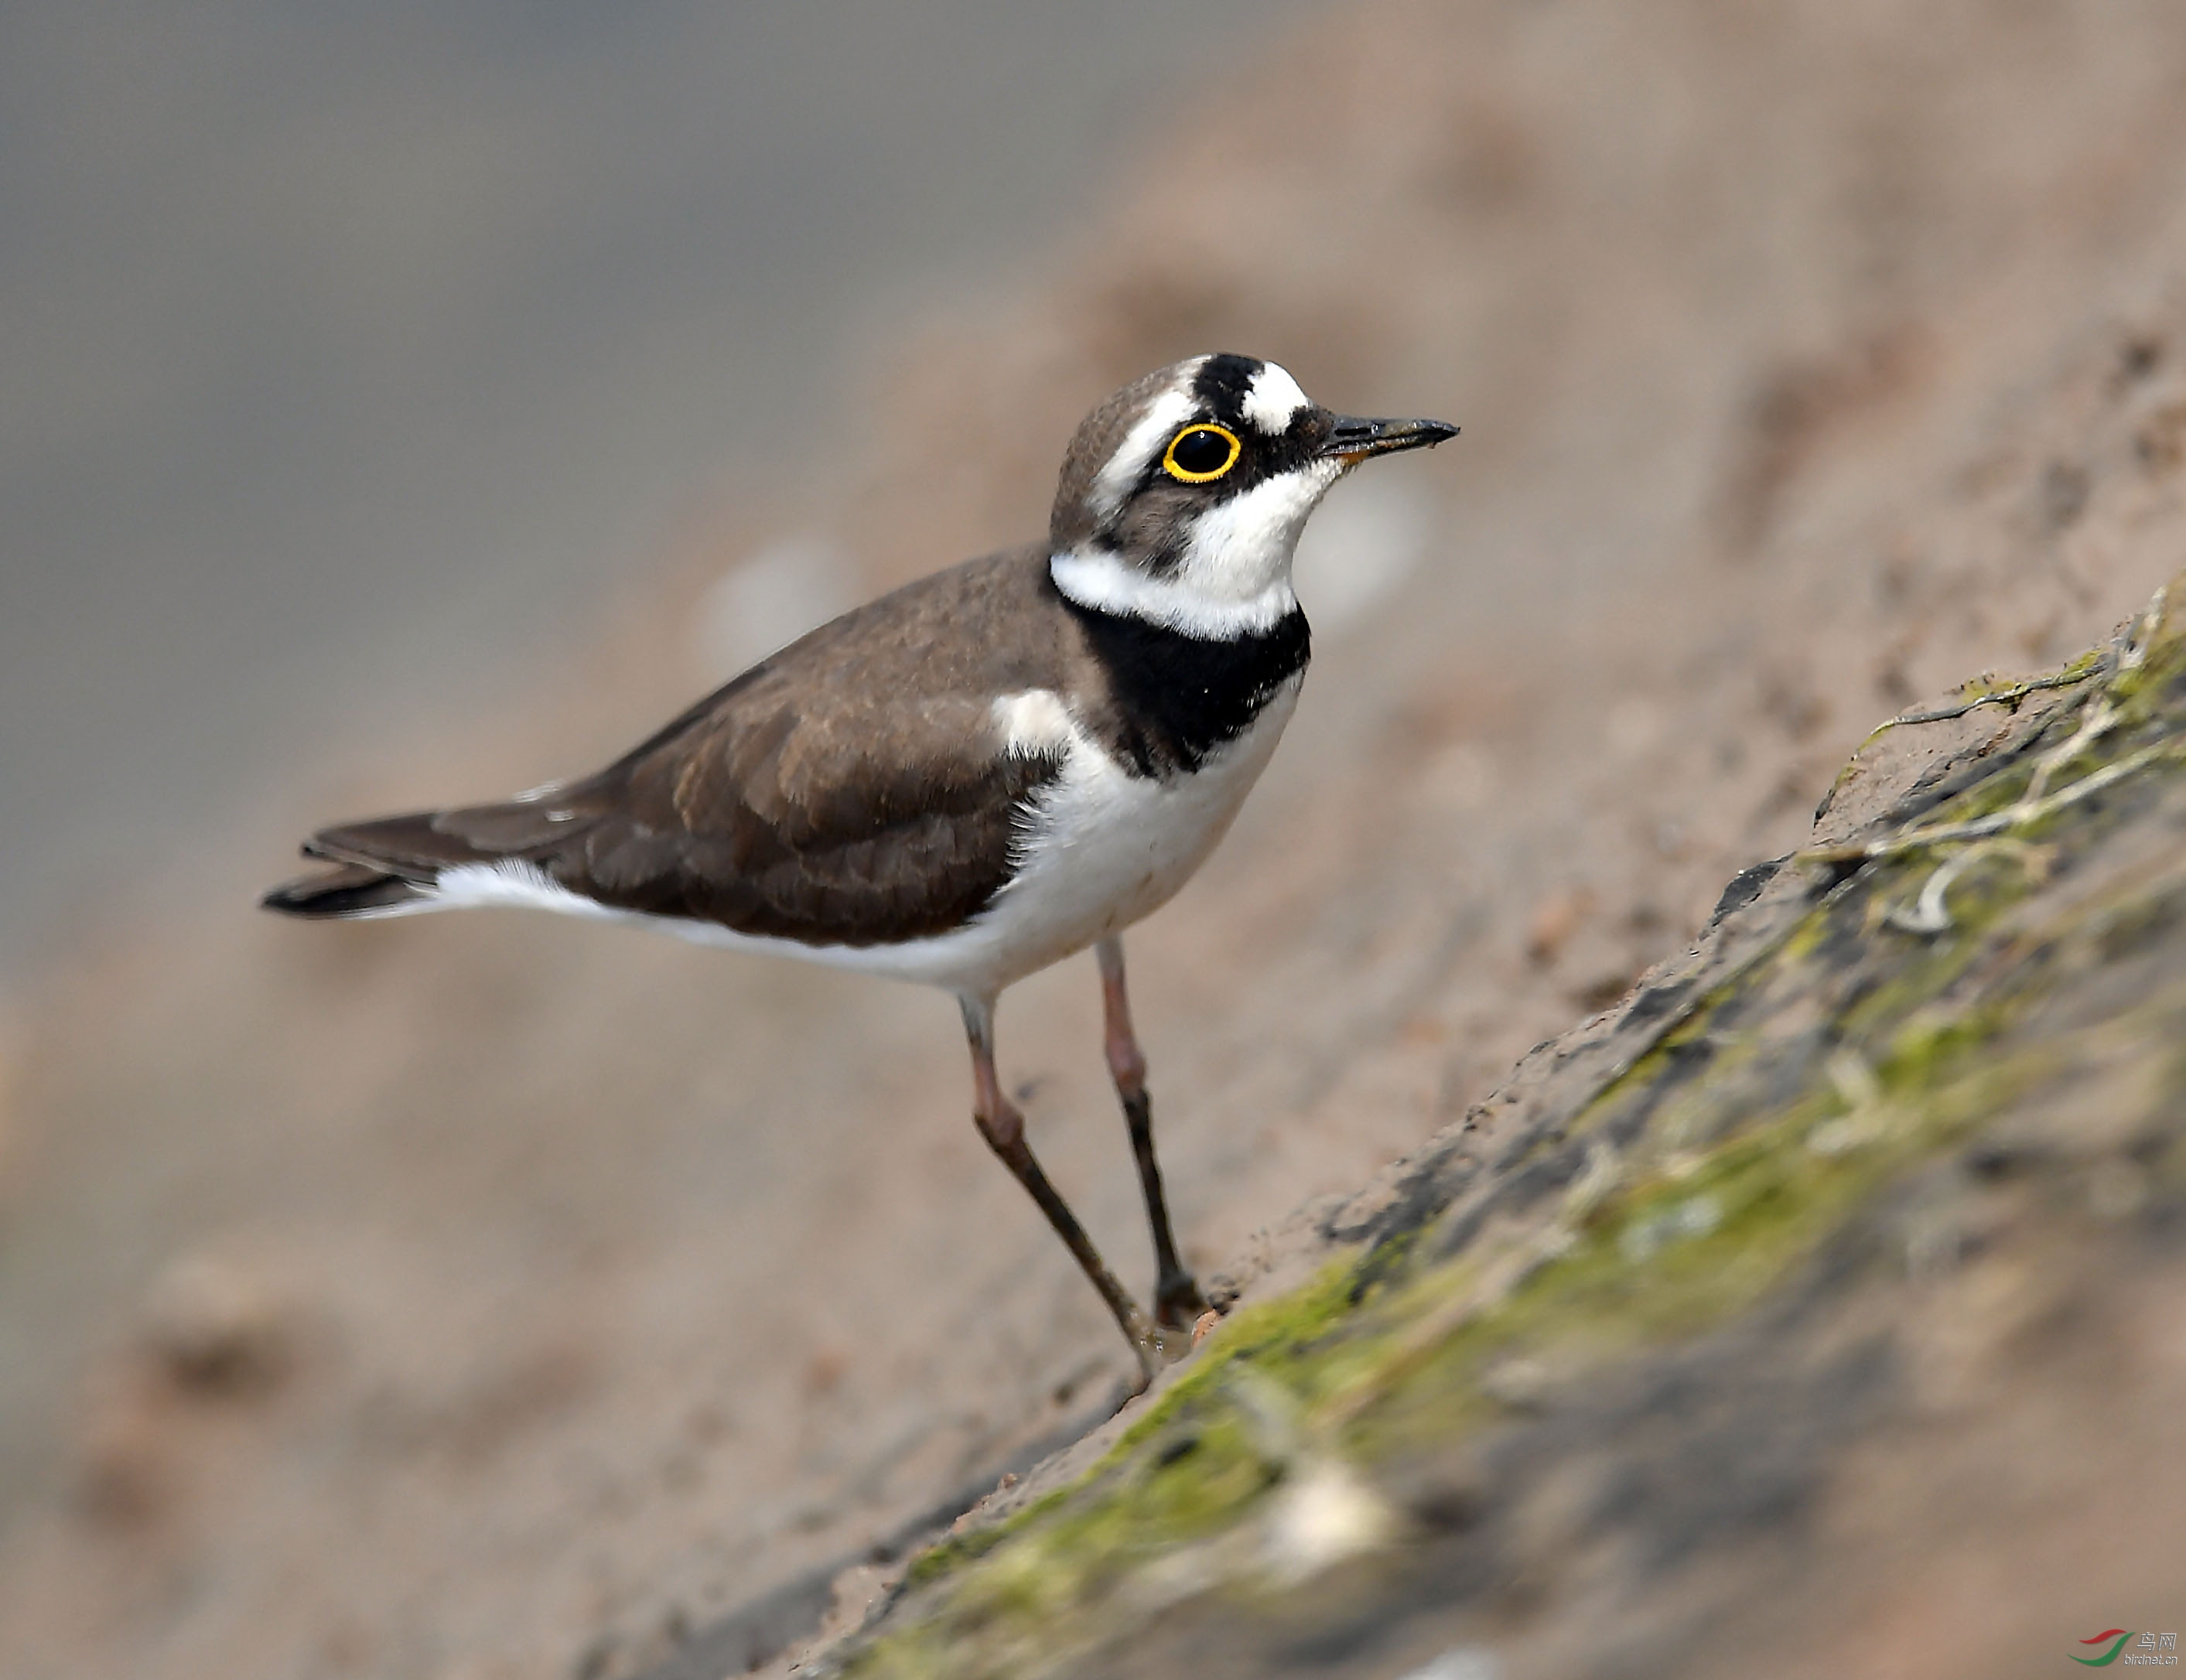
1199 453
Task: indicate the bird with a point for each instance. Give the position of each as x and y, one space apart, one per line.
971 778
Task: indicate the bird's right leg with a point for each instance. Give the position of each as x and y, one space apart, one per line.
1177 1299
1002 1125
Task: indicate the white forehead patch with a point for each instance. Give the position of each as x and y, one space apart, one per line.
1144 441
1273 399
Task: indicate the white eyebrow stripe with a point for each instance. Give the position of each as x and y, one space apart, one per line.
1114 481
1273 399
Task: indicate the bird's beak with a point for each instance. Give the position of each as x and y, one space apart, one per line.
1351 440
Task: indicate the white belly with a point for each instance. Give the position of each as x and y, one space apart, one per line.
1100 850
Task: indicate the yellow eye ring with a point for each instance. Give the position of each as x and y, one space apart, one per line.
1195 440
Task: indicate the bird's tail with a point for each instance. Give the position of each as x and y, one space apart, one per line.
392 866
348 892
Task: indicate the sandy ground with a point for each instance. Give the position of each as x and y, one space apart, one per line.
498 1297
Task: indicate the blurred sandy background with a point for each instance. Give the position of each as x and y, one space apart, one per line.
408 411
353 351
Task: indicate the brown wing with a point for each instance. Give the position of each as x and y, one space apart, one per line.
853 789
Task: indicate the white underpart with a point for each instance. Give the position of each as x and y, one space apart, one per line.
1141 445
1098 849
1273 399
510 880
1234 576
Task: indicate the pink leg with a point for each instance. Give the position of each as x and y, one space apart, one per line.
1003 1126
1177 1299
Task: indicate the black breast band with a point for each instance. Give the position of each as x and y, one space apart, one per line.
1180 699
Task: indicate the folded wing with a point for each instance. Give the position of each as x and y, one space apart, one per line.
840 793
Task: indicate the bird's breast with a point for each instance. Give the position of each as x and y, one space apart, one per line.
1174 703
1104 844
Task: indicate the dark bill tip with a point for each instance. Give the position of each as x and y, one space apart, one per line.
1352 439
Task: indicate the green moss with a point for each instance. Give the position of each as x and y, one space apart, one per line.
1988 685
1668 1254
1277 1332
1682 1250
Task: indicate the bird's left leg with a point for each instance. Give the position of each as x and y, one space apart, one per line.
1003 1126
1177 1299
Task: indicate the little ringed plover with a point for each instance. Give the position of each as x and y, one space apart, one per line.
983 773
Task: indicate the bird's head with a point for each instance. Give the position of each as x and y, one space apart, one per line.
1183 494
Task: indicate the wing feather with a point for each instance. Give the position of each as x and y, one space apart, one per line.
854 789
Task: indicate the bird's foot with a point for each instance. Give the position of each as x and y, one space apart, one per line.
1178 1302
1158 1345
